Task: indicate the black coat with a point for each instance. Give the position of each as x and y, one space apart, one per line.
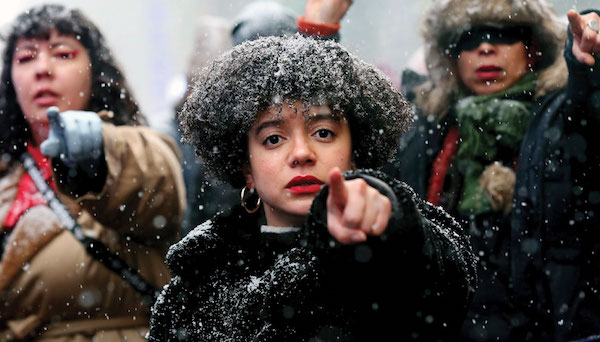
233 283
538 268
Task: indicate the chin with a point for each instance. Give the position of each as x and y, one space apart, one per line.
300 207
491 89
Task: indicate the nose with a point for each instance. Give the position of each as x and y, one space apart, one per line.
302 152
485 48
44 67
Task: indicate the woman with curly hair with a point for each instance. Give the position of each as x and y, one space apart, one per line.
121 181
322 247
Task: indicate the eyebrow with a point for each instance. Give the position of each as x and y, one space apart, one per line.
27 46
58 43
266 124
309 118
35 46
324 116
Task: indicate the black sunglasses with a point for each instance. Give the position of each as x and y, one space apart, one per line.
471 39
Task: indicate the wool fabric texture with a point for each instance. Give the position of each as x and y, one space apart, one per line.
488 123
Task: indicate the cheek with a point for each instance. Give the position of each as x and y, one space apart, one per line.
346 161
517 58
463 68
522 62
19 83
263 164
23 91
78 92
342 156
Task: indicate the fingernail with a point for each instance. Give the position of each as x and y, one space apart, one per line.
358 237
374 228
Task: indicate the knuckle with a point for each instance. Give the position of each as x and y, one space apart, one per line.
374 194
351 220
377 232
387 204
359 184
369 227
339 234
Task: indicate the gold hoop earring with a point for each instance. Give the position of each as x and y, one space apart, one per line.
242 195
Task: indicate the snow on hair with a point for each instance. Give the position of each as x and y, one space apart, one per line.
228 95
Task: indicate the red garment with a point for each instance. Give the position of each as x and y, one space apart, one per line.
28 195
441 166
319 30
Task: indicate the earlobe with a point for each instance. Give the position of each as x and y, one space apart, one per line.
247 171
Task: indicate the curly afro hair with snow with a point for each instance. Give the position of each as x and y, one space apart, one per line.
229 94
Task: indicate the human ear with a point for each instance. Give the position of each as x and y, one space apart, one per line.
247 171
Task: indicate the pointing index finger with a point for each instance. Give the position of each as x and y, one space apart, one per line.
337 189
575 22
53 118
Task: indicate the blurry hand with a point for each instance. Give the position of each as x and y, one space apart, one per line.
326 11
355 209
586 41
75 136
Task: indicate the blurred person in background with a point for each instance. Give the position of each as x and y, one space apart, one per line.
120 180
205 196
506 141
263 19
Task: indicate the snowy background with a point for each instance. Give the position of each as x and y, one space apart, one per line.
152 39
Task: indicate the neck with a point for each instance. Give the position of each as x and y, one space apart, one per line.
276 218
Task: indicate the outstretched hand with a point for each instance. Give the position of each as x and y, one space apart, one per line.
355 209
326 11
75 136
586 40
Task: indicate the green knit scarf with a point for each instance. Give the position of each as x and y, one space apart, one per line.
487 122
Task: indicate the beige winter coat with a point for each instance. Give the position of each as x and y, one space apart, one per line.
51 289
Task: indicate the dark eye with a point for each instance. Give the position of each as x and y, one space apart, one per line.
65 55
24 59
272 140
324 134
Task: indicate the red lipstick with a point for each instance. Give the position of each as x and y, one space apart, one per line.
45 97
489 72
304 185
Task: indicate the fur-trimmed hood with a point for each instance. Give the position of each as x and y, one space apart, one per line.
446 20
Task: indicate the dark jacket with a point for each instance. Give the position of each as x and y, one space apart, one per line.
538 267
234 283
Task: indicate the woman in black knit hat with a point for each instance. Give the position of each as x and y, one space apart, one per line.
323 247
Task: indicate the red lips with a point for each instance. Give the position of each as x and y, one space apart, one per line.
45 97
304 185
489 72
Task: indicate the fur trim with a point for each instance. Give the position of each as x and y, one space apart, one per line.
498 181
448 19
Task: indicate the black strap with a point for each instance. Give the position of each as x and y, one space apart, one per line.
94 247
